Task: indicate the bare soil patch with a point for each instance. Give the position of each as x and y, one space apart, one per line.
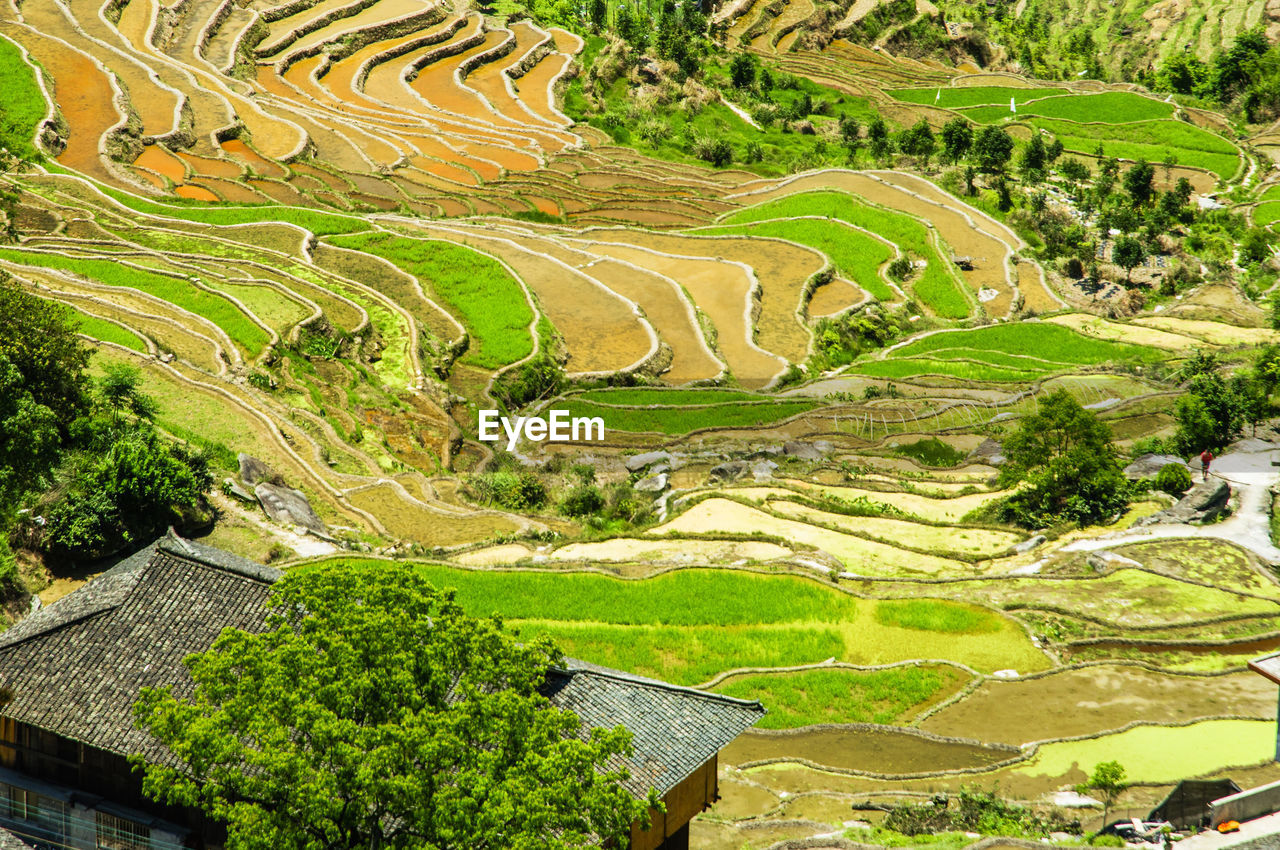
885 750
1094 699
719 290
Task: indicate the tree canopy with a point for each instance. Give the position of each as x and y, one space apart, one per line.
372 713
1066 457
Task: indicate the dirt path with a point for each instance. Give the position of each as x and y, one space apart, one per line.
1251 475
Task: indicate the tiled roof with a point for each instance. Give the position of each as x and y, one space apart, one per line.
9 841
674 730
77 667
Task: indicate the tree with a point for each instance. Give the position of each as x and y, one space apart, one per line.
1066 455
878 138
30 444
38 338
918 141
1139 182
850 135
957 139
1034 159
599 14
1054 149
1209 416
373 713
119 390
1074 170
992 148
1108 781
742 71
1128 254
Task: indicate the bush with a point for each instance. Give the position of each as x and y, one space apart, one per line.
582 500
520 490
1174 479
899 269
718 152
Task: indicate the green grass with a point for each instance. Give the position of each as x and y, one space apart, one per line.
954 98
932 452
1266 213
1035 339
1108 107
857 256
23 106
936 287
97 328
690 655
684 598
690 625
1150 140
1162 755
251 338
681 420
838 696
319 223
481 293
661 395
999 358
917 366
929 616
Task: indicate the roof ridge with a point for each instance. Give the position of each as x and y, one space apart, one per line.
623 676
174 544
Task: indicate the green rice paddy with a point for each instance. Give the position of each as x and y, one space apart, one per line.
662 395
688 626
92 326
936 286
682 420
251 338
482 294
1149 140
23 106
1106 107
954 98
857 256
808 697
1160 754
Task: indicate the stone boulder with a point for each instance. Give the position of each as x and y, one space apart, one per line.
989 452
254 471
635 463
802 451
763 470
653 483
1147 466
1029 544
1204 502
730 471
289 507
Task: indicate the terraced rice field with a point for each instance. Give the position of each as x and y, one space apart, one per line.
407 222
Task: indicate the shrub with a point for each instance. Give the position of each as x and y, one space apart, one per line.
931 452
899 269
1174 479
718 152
582 500
511 489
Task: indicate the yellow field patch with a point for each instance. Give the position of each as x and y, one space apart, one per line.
1121 332
1214 333
978 542
721 516
925 507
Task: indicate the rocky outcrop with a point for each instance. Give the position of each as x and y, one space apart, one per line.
1147 466
989 452
289 507
1205 502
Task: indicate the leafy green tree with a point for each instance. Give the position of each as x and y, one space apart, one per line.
120 390
38 338
918 141
1255 247
373 713
1066 456
1209 416
992 148
125 493
599 14
1074 170
1054 149
1139 182
30 442
1182 73
878 141
850 135
1108 781
742 71
957 139
1034 159
1128 254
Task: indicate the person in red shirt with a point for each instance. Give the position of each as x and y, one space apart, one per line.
1206 458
